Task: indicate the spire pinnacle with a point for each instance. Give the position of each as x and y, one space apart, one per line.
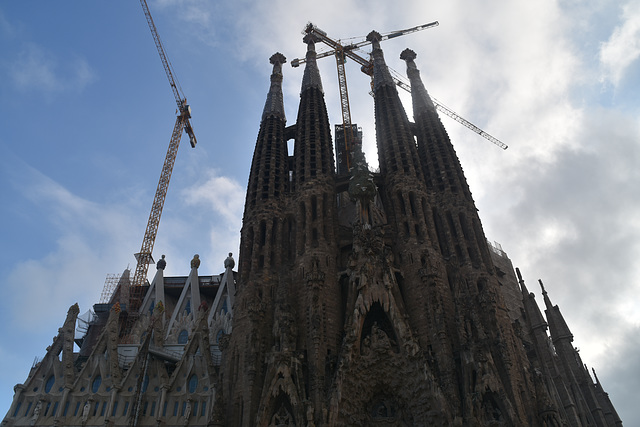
523 287
557 325
595 376
275 105
311 78
381 74
544 292
547 300
419 92
530 306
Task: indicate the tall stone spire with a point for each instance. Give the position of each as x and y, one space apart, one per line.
571 367
313 152
275 104
396 147
269 171
314 244
546 361
440 163
260 254
457 225
311 77
531 308
557 325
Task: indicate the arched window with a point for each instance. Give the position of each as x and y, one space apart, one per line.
95 385
193 383
49 384
183 337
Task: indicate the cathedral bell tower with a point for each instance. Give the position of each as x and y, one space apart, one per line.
369 299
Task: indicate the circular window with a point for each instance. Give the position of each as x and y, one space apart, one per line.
49 384
95 385
193 383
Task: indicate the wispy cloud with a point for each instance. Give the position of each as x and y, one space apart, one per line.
36 69
623 47
87 234
220 194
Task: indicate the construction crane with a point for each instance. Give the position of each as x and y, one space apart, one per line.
341 51
144 257
401 82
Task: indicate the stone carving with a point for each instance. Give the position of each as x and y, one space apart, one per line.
282 418
85 412
161 264
229 262
187 413
284 328
36 413
195 262
315 276
362 189
310 411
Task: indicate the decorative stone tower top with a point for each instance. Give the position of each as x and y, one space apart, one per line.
275 104
381 74
557 325
311 76
417 86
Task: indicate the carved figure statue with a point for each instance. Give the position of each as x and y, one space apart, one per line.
310 422
161 264
362 189
187 413
36 413
85 412
281 418
229 262
195 262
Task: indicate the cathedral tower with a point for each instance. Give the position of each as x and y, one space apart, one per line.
361 299
349 289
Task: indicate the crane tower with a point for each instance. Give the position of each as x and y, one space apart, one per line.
144 257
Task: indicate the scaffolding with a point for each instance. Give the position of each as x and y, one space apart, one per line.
111 284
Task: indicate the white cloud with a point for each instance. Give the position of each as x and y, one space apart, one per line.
88 236
218 203
623 47
220 194
35 68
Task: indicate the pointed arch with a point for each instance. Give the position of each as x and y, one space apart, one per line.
377 330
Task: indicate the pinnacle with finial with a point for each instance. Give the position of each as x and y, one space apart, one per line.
408 55
544 292
277 58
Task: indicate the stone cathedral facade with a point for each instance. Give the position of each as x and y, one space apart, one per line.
361 299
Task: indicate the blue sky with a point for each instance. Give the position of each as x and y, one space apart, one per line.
88 112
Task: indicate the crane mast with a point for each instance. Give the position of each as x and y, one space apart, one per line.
449 112
341 52
144 257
